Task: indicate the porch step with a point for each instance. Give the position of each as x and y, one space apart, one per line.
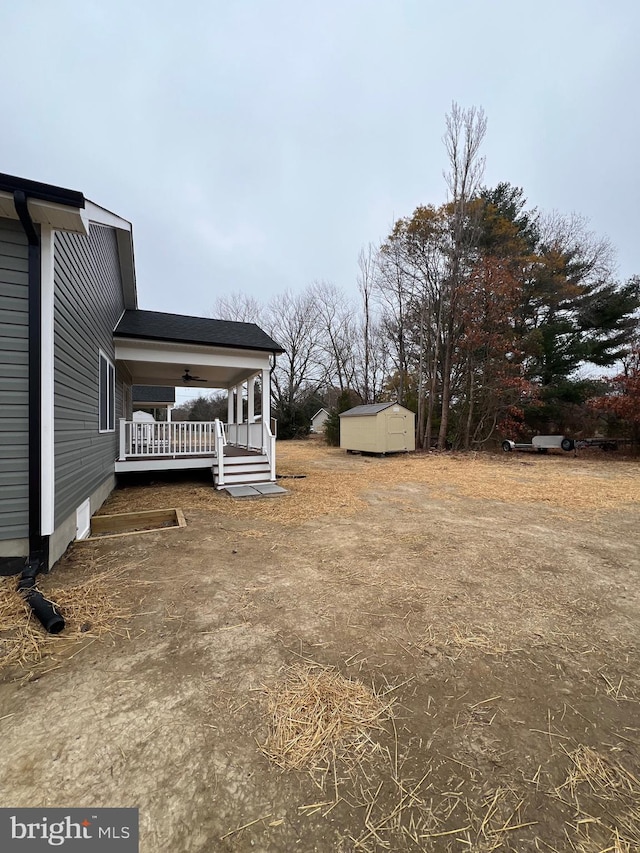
242 471
245 468
243 479
253 459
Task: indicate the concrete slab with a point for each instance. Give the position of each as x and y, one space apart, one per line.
260 490
242 492
270 489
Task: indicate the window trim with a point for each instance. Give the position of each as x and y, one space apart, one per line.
110 390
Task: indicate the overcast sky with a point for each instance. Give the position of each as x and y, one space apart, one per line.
256 145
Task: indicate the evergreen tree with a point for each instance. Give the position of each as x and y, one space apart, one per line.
332 424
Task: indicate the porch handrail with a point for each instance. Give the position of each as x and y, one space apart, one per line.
220 431
220 442
269 448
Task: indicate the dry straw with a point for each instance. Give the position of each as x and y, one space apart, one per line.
606 799
334 483
91 607
316 715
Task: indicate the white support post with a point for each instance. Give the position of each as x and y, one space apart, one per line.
266 396
250 408
251 385
169 410
230 405
239 413
266 402
123 440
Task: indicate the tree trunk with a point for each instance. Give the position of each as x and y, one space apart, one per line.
446 394
420 413
467 431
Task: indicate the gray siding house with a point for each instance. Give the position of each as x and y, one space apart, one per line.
72 344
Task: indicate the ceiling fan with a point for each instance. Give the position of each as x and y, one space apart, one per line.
187 377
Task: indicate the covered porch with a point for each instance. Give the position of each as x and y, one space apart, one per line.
154 349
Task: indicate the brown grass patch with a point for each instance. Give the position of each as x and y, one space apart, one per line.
336 483
317 714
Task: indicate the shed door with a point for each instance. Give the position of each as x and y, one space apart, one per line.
396 433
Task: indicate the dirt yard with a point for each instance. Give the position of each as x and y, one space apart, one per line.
491 604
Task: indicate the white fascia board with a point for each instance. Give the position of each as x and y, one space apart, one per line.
61 217
47 433
97 215
189 355
124 240
102 216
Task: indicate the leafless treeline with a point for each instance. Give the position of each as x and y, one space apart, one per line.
462 313
397 338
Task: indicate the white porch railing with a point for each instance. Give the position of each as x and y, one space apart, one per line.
145 439
246 435
162 438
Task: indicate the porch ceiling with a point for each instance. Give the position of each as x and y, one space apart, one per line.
154 363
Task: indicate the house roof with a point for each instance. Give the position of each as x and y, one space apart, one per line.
319 412
370 409
153 394
40 191
157 326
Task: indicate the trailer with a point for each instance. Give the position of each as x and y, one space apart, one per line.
544 443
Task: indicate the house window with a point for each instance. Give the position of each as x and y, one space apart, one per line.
107 419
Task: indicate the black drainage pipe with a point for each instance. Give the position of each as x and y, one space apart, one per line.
46 611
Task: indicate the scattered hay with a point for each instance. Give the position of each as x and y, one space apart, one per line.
473 639
317 714
90 607
606 798
415 816
603 775
454 641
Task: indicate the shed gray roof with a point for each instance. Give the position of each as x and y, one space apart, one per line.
153 394
154 325
370 409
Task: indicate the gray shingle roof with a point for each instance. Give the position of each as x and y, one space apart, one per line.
154 325
153 394
370 409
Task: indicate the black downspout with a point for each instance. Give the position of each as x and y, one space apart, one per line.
38 560
37 544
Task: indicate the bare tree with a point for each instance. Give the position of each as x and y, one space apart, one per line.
465 131
239 307
367 265
395 286
337 333
292 320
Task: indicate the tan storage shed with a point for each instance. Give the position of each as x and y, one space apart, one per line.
378 428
